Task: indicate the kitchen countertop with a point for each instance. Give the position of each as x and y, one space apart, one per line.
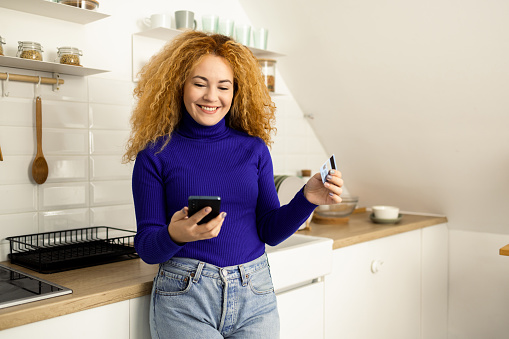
106 284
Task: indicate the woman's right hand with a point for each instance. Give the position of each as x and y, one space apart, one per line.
183 228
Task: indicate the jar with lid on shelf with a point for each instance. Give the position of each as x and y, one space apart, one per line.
86 4
2 42
269 73
69 55
30 50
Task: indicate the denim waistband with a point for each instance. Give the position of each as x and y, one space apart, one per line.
196 268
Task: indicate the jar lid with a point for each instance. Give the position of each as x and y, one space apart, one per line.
29 43
2 40
269 60
69 49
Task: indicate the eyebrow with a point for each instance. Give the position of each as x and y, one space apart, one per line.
205 79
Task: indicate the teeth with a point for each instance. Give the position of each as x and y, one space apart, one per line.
209 108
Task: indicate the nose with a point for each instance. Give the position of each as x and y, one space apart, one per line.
211 94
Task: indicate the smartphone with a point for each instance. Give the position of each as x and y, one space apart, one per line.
199 202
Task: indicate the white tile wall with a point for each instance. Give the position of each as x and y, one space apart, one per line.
82 189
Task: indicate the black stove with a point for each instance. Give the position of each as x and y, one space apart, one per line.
18 288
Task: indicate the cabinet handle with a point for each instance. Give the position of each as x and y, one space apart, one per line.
375 266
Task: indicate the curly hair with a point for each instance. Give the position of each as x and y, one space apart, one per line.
160 90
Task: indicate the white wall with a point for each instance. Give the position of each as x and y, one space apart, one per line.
411 96
85 124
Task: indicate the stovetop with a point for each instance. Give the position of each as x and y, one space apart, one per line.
18 288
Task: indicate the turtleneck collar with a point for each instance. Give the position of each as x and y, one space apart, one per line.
189 128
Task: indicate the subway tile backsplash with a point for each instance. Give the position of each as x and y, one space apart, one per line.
85 127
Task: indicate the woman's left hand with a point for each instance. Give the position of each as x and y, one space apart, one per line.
319 193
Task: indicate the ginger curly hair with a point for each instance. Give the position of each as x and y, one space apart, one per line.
161 87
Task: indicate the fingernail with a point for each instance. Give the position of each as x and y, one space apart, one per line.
223 215
329 177
332 171
331 194
208 209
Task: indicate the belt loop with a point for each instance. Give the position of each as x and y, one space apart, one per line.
197 274
243 275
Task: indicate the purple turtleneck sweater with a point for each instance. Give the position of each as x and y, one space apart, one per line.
212 160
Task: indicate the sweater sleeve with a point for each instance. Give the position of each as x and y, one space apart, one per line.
276 223
152 241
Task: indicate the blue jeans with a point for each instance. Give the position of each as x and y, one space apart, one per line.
193 299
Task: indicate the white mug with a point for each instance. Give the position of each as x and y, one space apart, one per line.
385 212
158 20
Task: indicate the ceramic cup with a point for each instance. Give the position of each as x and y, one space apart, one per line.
225 27
185 20
385 212
243 34
158 20
209 23
260 36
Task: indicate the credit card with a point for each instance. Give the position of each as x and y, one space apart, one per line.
327 166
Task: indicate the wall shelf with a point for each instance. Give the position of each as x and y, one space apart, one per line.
45 66
144 48
53 10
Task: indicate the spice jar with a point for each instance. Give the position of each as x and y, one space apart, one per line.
30 50
269 73
69 56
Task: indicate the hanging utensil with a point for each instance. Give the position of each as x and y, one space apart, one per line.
1 157
39 166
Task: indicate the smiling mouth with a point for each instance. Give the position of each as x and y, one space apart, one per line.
208 108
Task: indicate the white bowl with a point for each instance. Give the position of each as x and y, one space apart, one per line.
385 212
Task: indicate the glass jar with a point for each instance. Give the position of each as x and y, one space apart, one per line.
2 42
269 73
86 4
30 50
69 55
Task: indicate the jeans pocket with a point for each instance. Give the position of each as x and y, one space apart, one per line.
260 281
170 283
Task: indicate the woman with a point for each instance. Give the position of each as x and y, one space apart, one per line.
201 126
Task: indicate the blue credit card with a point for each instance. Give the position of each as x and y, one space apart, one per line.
327 166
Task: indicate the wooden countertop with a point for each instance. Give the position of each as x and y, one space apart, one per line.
360 228
106 284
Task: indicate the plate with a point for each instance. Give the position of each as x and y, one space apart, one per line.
385 221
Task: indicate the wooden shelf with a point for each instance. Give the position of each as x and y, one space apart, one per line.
54 10
504 250
44 66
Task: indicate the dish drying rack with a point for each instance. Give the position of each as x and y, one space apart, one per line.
65 250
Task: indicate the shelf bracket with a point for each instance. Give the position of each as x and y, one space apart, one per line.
56 86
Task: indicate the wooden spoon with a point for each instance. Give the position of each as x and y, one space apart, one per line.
39 166
1 157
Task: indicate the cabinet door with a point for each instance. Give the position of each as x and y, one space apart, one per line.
374 289
139 327
301 312
104 322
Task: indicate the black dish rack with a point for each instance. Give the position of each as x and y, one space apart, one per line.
58 251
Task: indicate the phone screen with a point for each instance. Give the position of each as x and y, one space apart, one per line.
197 203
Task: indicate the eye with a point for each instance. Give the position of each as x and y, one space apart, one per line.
199 85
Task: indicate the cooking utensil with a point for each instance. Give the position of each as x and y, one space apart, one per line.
1 157
39 166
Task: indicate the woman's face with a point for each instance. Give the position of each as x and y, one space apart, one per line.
208 92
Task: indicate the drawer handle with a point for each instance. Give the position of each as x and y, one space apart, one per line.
375 266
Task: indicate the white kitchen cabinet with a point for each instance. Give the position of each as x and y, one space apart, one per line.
104 322
301 312
139 327
393 287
